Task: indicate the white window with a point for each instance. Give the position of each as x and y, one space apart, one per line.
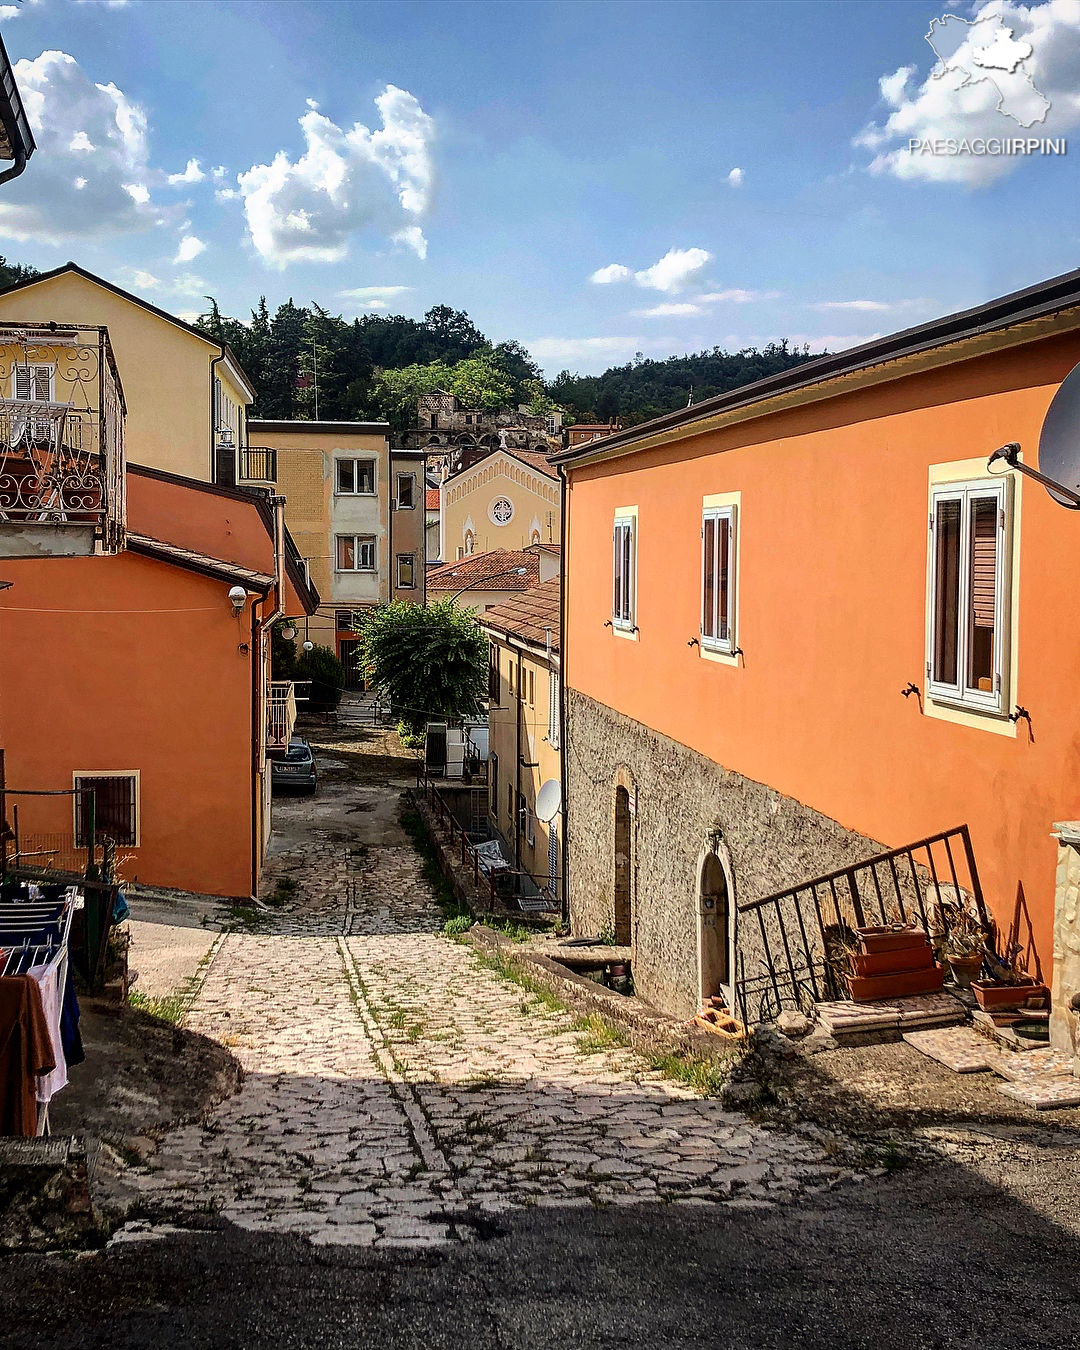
355 476
356 553
553 710
34 383
406 494
718 579
968 600
624 589
406 571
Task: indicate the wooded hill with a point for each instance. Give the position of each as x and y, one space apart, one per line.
375 366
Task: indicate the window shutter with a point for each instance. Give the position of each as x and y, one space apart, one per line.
22 382
984 533
43 383
553 710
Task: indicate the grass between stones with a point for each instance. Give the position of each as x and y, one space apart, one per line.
168 1008
413 824
596 1034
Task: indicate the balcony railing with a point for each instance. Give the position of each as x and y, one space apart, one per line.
62 484
280 714
258 464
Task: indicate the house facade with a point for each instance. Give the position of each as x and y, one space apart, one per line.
524 717
454 436
506 500
806 622
187 396
356 510
145 677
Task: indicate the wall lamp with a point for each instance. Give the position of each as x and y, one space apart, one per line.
238 599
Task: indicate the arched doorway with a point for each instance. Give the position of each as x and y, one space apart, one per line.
623 872
715 947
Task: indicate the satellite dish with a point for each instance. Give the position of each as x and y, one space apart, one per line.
1059 444
549 801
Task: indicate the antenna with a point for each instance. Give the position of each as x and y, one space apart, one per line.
315 376
549 801
1059 446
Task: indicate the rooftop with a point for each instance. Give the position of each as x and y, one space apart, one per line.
491 571
431 499
531 616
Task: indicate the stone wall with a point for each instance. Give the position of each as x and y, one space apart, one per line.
1064 1023
682 801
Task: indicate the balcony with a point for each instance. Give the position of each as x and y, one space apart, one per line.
258 464
280 714
62 487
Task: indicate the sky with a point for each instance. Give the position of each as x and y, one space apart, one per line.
594 179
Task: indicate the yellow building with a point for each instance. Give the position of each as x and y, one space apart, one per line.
187 395
509 499
356 511
524 730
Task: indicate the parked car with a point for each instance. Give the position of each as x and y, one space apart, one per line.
295 768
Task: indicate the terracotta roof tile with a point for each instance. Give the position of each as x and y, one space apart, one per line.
431 499
531 615
491 571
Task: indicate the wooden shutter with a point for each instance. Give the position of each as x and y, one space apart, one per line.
984 540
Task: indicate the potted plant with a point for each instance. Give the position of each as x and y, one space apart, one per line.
963 946
1010 985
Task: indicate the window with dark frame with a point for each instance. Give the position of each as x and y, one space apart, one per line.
968 594
355 477
718 579
406 491
116 808
494 676
493 784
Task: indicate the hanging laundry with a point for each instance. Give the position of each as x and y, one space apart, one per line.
25 1053
48 979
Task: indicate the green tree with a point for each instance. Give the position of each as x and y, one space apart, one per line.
431 660
326 675
10 273
282 654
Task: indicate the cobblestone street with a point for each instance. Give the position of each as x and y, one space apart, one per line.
395 1087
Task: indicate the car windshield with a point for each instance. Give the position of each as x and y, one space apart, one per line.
298 753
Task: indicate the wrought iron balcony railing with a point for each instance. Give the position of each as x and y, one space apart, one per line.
62 476
280 714
258 464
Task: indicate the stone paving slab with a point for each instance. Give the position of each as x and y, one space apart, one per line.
394 1083
1043 1063
1044 1094
958 1048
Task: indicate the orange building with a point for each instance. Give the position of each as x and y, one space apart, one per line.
753 584
145 676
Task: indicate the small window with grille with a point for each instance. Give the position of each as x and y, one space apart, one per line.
110 803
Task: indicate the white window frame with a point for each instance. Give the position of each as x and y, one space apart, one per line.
712 643
624 602
553 710
409 558
356 461
136 777
997 700
32 370
358 539
405 478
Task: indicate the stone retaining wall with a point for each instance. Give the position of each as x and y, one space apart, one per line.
683 804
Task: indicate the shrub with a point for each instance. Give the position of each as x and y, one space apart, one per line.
327 676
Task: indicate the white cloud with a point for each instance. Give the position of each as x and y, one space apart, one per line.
226 194
372 292
604 276
9 12
138 279
569 349
305 211
736 177
675 270
863 306
1012 67
736 296
674 311
192 173
219 174
190 247
70 113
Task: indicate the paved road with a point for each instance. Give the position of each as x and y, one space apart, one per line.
395 1087
423 1158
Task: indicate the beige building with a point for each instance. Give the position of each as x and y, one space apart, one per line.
356 511
510 499
186 395
523 730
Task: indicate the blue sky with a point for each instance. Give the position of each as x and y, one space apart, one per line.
497 156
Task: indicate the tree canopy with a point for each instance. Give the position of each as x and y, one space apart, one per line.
431 660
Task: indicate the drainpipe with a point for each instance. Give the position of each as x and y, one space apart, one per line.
517 770
17 167
563 668
391 573
260 627
214 363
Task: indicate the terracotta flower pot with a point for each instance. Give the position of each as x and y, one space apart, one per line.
965 969
890 939
992 995
901 985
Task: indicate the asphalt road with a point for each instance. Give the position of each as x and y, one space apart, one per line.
927 1257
